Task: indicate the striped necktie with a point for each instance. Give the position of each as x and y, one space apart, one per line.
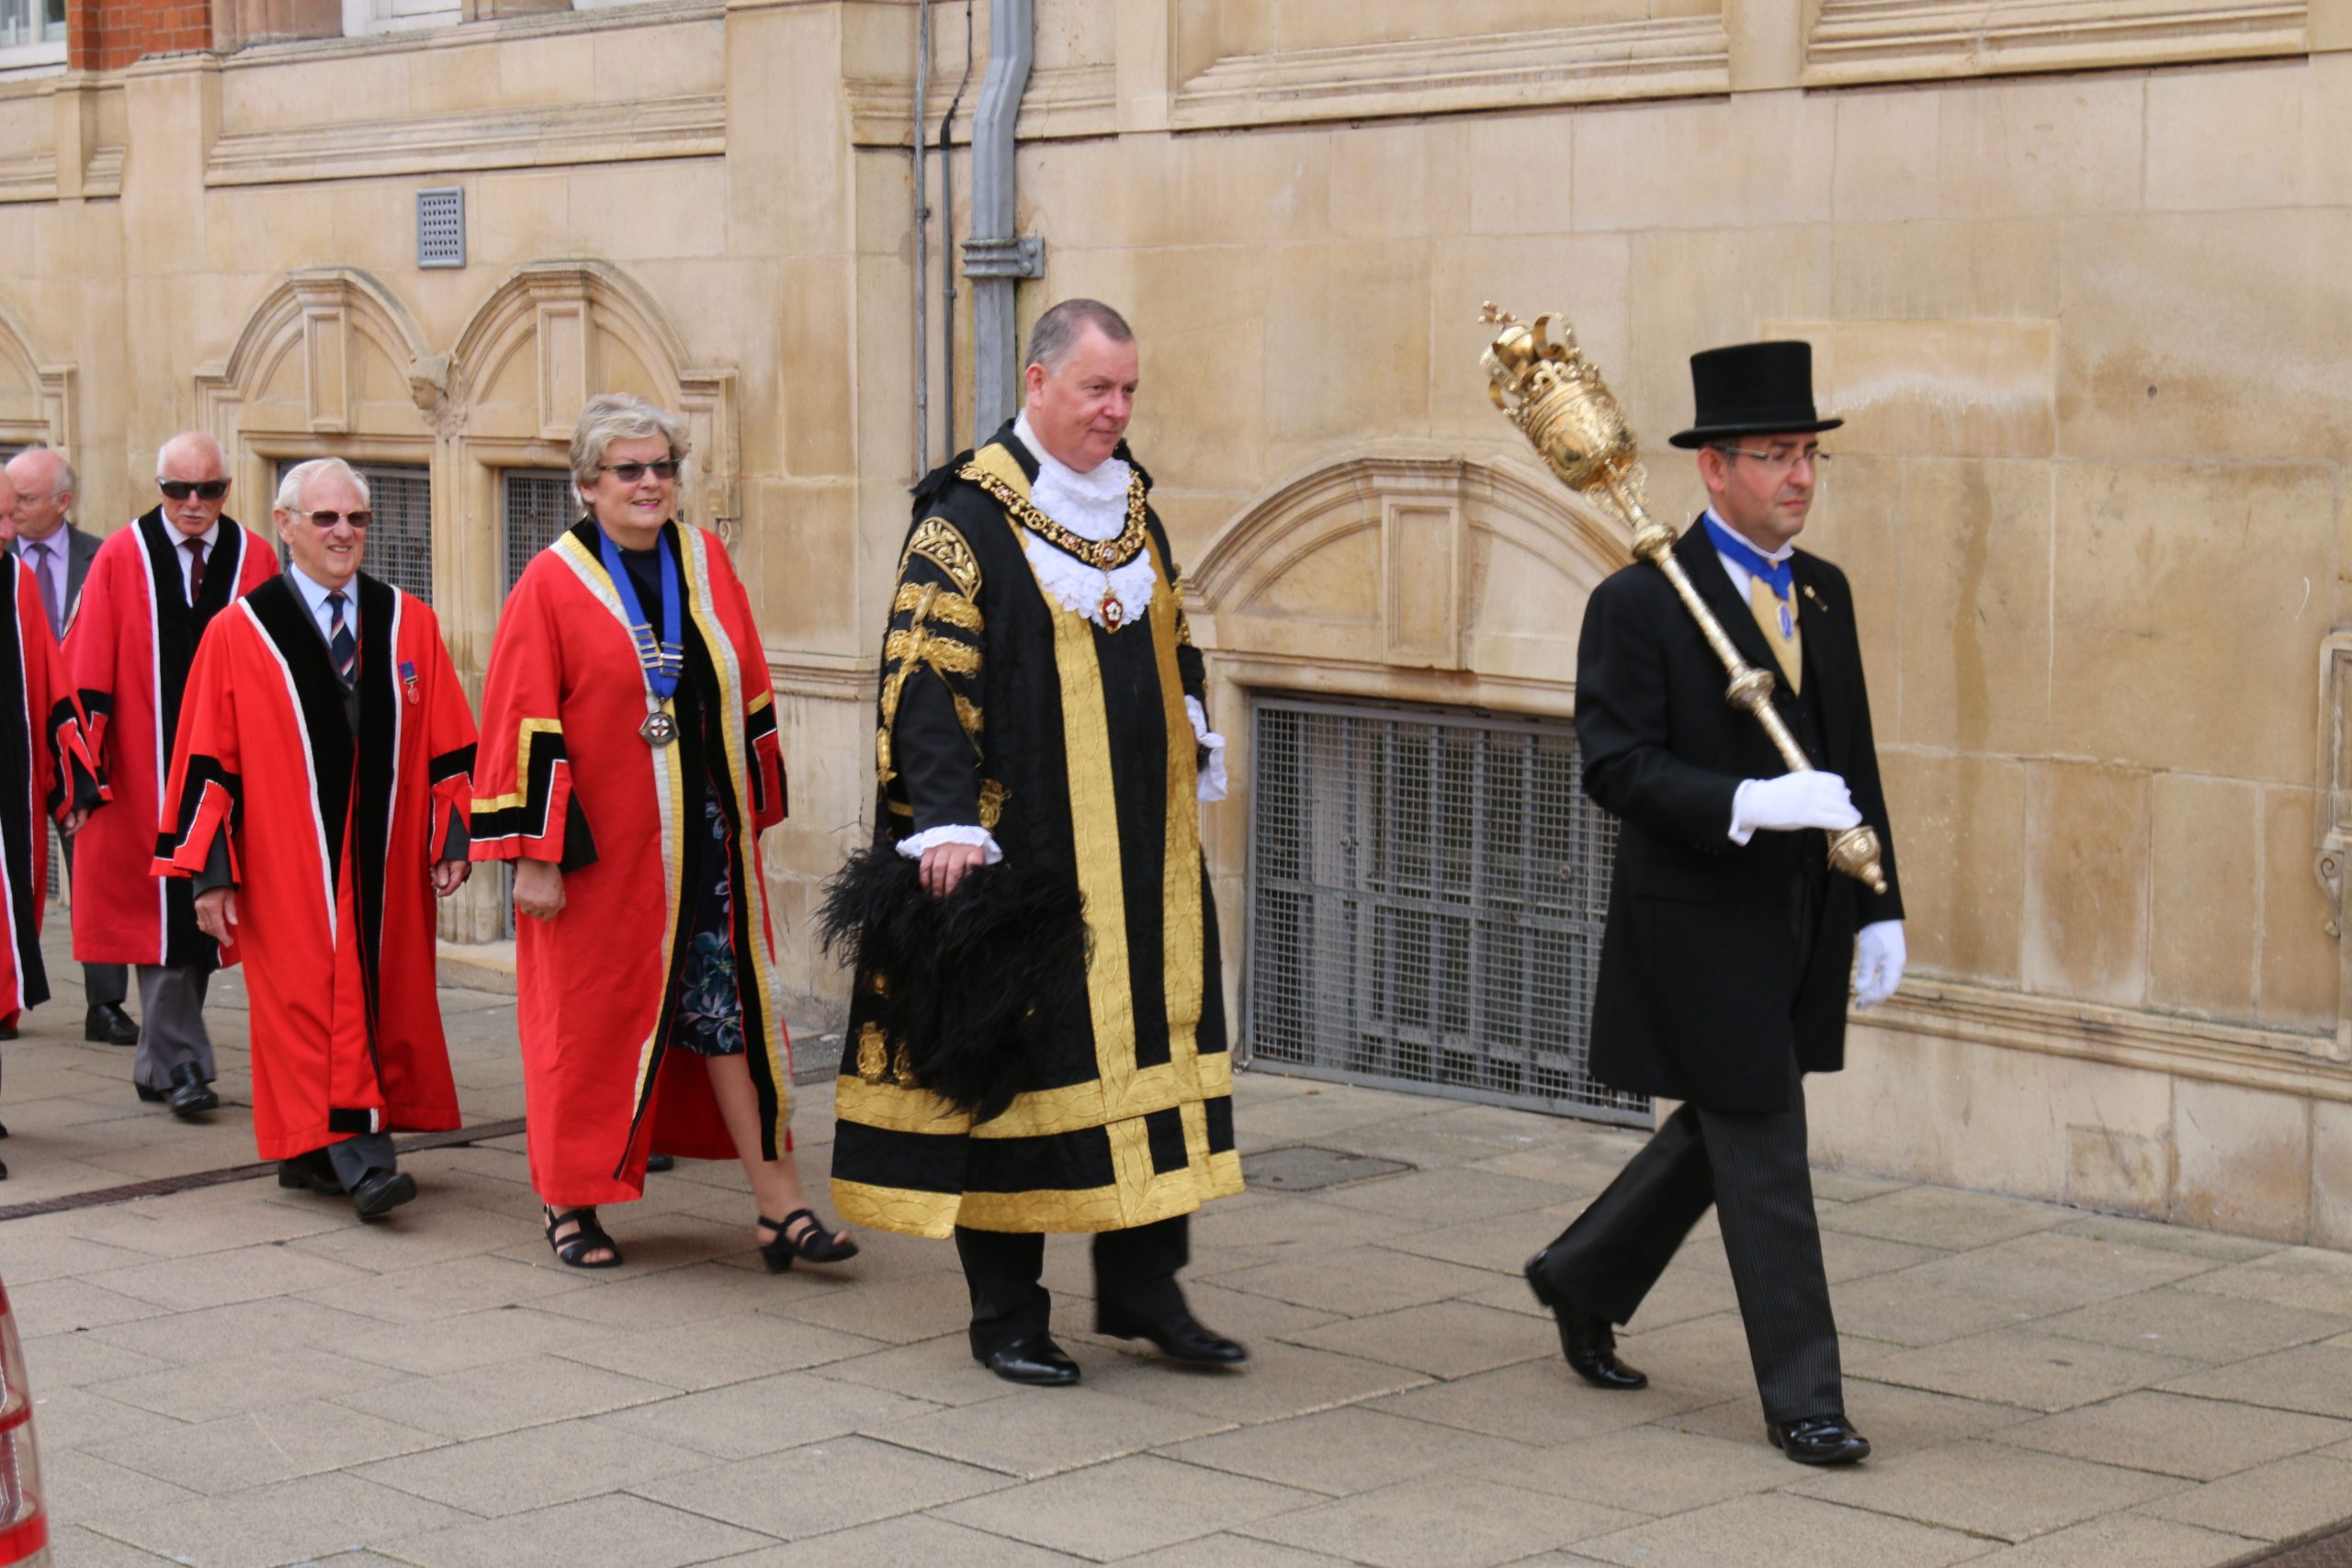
341 645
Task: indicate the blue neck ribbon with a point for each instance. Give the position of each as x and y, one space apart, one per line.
666 660
1754 562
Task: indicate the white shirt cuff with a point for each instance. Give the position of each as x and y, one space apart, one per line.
913 848
1214 782
1742 829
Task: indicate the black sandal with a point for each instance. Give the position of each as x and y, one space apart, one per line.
816 1245
588 1237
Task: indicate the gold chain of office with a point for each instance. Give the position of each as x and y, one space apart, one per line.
1104 555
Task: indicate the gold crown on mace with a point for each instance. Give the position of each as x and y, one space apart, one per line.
1537 375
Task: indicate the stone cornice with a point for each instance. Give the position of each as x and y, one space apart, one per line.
499 29
2278 1060
837 677
1670 57
688 126
1857 41
1061 102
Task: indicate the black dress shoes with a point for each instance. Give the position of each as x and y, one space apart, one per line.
659 1162
152 1095
1179 1339
189 1094
1586 1343
1820 1439
107 1024
310 1173
1038 1362
381 1192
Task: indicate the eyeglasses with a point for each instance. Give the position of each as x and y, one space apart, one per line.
203 490
630 473
1779 462
322 521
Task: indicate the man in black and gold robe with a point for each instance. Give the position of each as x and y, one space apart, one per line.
1041 706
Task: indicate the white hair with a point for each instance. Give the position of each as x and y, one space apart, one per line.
621 416
196 438
289 489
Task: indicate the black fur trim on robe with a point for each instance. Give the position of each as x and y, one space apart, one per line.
964 977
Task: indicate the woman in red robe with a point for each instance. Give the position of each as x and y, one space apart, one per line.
628 762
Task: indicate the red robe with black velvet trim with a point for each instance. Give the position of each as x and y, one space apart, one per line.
42 751
564 776
133 637
332 837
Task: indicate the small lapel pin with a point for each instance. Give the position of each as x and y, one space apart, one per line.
1815 597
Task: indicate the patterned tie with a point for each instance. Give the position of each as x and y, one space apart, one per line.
340 644
41 551
195 548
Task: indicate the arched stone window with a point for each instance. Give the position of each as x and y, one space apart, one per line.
36 399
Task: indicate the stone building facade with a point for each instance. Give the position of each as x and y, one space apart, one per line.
2072 269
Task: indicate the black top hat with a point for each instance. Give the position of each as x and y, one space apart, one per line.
1752 388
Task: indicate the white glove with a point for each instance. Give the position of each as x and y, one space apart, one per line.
1878 962
1790 802
1213 781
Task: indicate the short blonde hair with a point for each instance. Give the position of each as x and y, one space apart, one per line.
621 416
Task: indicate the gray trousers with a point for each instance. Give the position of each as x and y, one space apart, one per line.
1752 1169
171 1025
101 983
356 1157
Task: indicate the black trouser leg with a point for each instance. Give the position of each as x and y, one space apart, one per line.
1135 1275
1605 1262
354 1159
1001 1269
1772 1240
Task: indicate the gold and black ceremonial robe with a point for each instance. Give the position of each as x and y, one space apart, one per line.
1070 743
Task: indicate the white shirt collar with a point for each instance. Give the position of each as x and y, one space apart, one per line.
1740 576
315 595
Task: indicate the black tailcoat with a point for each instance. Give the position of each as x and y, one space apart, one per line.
1698 996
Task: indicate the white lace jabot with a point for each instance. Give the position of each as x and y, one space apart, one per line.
1093 506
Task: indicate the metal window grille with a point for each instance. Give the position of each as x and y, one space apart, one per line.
441 226
1426 892
539 504
399 541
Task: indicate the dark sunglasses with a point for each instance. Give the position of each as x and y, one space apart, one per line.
630 473
322 521
206 490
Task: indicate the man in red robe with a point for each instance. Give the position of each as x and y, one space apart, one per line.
153 587
324 706
42 757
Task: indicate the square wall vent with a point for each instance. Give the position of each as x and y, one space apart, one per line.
441 226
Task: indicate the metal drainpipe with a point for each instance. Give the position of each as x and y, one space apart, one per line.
995 258
922 258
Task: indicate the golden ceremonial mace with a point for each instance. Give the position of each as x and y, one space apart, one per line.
1538 376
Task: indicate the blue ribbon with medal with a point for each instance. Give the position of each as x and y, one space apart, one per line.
664 660
1777 575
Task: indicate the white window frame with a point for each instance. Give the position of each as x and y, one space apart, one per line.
365 16
39 57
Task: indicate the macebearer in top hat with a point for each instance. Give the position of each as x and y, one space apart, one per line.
1725 962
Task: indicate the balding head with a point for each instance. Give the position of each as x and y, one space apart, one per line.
192 463
45 485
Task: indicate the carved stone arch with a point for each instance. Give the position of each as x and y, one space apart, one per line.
36 399
1407 571
553 333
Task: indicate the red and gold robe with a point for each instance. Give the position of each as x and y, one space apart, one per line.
41 747
332 835
133 637
564 777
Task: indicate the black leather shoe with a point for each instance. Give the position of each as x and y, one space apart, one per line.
659 1162
152 1095
310 1173
381 1192
189 1094
1038 1362
1586 1343
1179 1339
107 1024
1820 1439
7 1031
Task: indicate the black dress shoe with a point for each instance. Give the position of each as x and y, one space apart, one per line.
1179 1339
310 1173
1586 1343
381 1192
659 1162
7 1031
1819 1440
1039 1362
152 1095
189 1094
107 1024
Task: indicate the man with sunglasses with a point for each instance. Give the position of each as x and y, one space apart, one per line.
153 588
324 706
1729 947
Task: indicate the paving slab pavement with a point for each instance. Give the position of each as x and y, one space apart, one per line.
234 1374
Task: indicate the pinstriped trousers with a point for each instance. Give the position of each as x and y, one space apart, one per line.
1752 1169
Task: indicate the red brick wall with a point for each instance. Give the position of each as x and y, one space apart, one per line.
105 34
